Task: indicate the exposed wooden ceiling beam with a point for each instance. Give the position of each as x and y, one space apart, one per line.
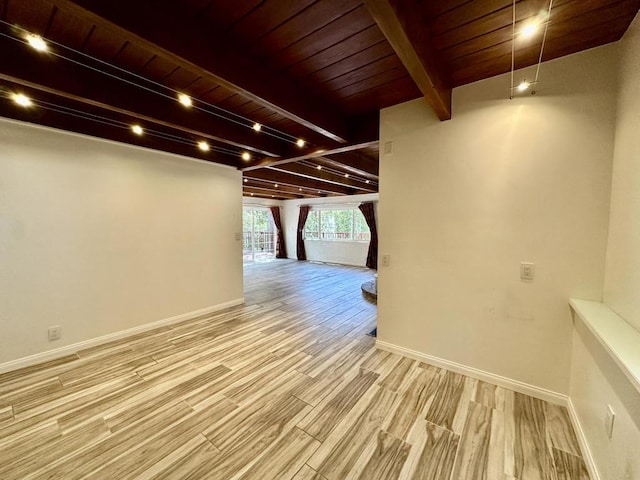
292 180
284 189
405 31
99 130
83 85
353 163
262 193
272 162
311 172
162 29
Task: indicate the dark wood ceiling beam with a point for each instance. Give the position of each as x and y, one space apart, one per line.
99 130
329 177
352 163
295 192
272 162
405 31
296 181
162 29
73 82
262 193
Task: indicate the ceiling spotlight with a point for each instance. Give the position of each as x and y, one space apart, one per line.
251 194
257 127
529 30
319 167
245 180
185 100
246 156
346 175
367 181
299 189
300 143
21 100
523 86
137 129
36 42
204 146
275 185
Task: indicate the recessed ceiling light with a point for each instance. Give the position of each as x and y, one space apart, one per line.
319 167
37 42
246 156
523 86
245 180
185 100
251 194
346 175
21 100
529 29
137 129
204 146
300 143
299 189
257 127
275 185
367 181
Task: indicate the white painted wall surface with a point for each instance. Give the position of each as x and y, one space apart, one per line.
99 237
463 202
622 280
596 381
345 253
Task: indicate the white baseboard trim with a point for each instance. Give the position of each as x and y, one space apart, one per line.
582 440
515 385
92 342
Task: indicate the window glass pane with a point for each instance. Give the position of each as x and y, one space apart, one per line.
311 227
247 216
336 224
362 232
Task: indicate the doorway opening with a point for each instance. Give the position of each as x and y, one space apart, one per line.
258 235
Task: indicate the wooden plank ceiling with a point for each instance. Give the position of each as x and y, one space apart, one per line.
317 70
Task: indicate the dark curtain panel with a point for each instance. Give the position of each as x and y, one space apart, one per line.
302 219
281 249
368 212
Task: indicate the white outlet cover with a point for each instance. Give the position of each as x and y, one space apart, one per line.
527 271
610 420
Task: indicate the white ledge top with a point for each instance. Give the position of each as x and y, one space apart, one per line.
618 337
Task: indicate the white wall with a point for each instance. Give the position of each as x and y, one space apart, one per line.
596 381
346 253
463 202
99 237
622 280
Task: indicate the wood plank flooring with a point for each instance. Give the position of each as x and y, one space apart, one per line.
287 386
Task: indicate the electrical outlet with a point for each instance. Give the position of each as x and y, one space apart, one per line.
238 237
55 333
388 148
386 260
527 271
609 421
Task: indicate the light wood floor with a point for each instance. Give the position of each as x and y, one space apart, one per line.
288 386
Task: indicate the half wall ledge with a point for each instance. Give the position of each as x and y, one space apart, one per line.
619 339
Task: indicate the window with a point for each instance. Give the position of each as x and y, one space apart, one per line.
258 234
347 225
